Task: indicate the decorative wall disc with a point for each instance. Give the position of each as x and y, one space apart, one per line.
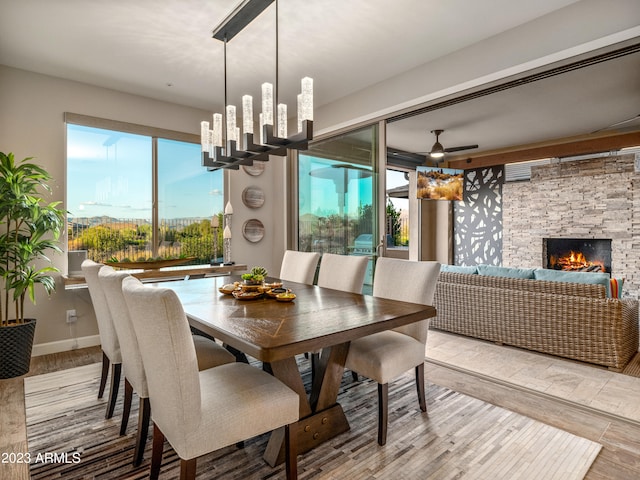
253 197
256 169
253 230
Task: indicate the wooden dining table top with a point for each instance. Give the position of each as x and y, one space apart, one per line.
269 330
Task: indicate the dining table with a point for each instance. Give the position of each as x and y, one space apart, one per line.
275 332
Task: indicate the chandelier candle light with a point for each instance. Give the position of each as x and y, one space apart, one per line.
226 246
237 146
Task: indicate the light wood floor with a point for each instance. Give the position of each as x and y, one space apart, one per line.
13 429
549 389
619 458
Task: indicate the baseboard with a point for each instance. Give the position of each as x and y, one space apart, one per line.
65 345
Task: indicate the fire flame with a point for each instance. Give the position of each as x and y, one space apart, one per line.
576 261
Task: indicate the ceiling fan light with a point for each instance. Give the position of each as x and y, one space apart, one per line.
437 151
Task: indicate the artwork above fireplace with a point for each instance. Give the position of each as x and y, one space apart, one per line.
577 254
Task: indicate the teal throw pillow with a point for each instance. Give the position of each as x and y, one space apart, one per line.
510 272
595 278
458 269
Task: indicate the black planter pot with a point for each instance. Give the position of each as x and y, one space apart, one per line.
16 342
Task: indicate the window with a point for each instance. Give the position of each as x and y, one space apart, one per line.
122 187
337 208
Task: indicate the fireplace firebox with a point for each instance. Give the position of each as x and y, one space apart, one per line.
577 254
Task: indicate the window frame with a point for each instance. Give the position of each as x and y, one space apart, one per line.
154 133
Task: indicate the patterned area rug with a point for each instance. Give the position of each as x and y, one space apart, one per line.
461 437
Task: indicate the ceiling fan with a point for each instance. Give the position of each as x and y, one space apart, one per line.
437 150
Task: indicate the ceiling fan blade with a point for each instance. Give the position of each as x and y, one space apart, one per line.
457 149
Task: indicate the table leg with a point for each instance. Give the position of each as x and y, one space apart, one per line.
321 418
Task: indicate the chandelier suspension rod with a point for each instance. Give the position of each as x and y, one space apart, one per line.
236 150
224 106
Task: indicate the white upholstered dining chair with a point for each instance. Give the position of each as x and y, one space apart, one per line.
200 412
109 343
386 355
209 354
299 267
342 272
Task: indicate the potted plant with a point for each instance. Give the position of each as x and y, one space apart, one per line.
29 229
255 276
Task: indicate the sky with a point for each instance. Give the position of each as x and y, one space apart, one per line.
109 173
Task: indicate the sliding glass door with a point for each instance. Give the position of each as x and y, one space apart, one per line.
337 201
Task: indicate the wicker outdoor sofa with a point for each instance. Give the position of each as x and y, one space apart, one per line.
565 319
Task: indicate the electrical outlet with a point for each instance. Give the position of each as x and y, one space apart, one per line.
71 316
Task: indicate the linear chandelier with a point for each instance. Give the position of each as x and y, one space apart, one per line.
237 146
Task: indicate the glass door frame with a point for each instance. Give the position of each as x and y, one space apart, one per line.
379 167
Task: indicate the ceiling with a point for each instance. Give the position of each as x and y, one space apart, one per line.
163 49
596 99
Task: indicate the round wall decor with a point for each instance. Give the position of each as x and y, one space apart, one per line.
256 169
253 197
253 230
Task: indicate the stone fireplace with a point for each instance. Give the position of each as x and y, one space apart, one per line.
577 254
597 198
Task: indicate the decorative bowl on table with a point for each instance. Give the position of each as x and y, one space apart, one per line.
275 292
273 285
243 295
229 288
252 287
286 297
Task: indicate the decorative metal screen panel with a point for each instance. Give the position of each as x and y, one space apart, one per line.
478 220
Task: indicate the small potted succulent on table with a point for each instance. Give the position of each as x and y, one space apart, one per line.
255 277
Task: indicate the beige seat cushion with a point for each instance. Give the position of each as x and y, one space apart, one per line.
384 356
238 402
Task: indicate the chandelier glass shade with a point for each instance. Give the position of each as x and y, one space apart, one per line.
226 141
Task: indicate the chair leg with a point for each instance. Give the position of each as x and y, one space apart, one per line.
188 469
291 450
420 387
144 415
383 412
126 407
103 375
116 368
354 375
156 453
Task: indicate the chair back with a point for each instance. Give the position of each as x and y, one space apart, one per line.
342 272
108 335
111 282
408 281
299 267
168 354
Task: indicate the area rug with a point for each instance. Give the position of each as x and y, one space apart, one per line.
461 437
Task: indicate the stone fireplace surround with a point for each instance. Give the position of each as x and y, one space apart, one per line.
591 198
